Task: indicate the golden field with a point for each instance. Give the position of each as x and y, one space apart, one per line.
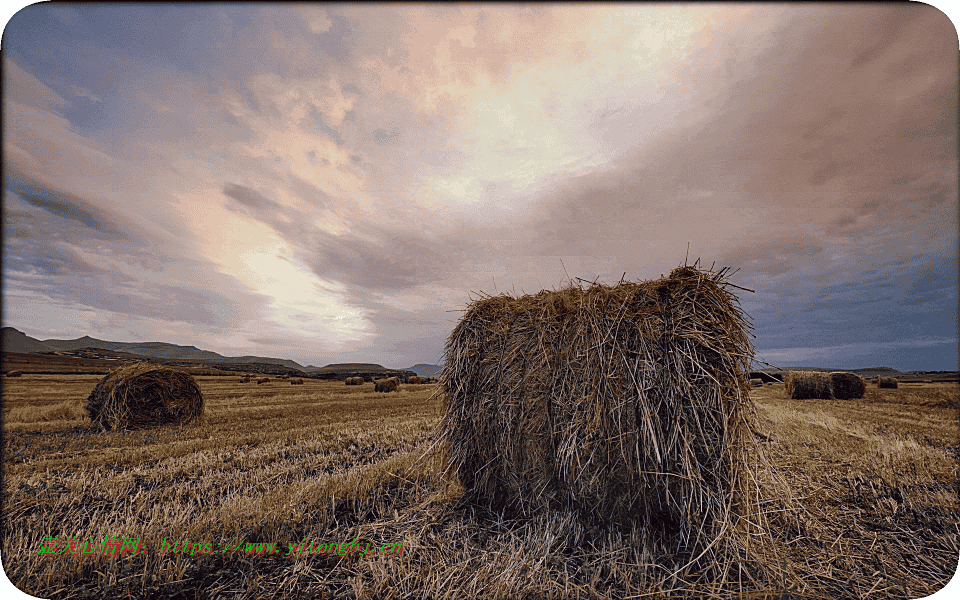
863 504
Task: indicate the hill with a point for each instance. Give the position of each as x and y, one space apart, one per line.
13 340
424 370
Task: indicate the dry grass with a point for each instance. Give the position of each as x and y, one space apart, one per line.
329 463
808 385
144 395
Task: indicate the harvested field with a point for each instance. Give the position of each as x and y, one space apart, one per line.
332 463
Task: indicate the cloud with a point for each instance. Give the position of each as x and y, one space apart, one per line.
349 173
316 19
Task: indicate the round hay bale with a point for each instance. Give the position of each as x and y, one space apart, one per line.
354 381
244 380
756 382
390 384
296 382
14 374
144 395
847 386
414 379
808 385
263 380
625 403
888 382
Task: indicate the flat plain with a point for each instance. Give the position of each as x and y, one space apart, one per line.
862 500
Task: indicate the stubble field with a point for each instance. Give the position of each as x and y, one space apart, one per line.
865 504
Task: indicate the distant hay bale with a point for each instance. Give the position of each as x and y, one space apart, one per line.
808 385
625 403
354 381
244 380
296 382
144 395
14 374
390 384
756 382
263 380
413 379
847 386
888 382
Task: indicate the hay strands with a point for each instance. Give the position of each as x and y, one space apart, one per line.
144 395
626 403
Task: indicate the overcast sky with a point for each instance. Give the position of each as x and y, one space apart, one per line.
329 183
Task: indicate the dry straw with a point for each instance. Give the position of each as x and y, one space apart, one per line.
144 395
888 382
626 404
847 386
808 385
390 384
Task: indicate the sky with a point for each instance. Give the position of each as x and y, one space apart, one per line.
335 183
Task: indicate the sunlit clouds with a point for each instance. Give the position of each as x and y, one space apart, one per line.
329 183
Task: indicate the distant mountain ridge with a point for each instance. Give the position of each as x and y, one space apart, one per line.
13 340
423 370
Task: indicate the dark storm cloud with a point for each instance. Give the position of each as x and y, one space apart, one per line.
66 206
249 197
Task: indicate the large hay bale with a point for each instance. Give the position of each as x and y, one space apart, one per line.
808 385
888 382
354 381
390 384
847 386
756 382
144 395
263 380
296 382
413 379
625 403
